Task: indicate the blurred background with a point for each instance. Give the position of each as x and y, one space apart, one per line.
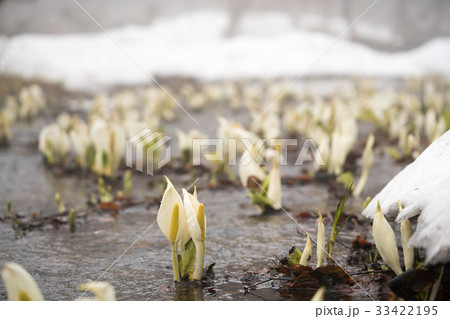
389 25
217 40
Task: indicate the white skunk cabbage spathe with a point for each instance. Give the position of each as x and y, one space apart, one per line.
81 141
306 255
406 232
320 293
19 284
408 251
185 141
171 222
101 139
321 250
32 100
110 142
274 189
384 238
117 148
168 220
196 223
102 290
249 168
54 144
343 139
367 161
185 236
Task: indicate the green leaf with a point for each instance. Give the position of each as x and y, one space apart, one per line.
338 213
294 256
187 260
89 157
265 184
259 199
104 158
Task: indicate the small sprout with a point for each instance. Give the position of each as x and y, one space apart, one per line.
9 211
384 238
61 207
127 183
274 188
213 180
406 232
367 159
193 175
93 199
72 220
306 255
435 289
104 191
217 165
318 296
320 240
366 202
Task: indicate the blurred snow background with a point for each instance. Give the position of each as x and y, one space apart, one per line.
219 39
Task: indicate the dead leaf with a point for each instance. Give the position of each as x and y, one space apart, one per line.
363 244
305 215
109 206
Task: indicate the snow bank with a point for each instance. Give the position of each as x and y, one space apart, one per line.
197 44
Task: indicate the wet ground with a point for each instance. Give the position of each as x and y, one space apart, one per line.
129 250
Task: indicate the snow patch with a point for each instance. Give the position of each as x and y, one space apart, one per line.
196 45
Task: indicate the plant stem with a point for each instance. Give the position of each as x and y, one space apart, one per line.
199 259
330 247
176 272
213 180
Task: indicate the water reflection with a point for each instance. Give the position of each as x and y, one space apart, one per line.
188 293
